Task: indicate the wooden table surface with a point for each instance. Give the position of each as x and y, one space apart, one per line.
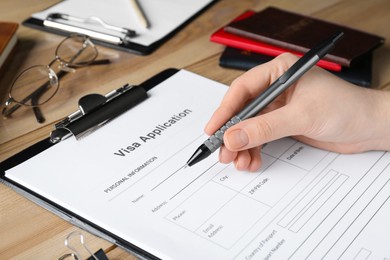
29 231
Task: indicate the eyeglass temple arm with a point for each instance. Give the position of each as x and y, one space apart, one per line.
37 111
101 62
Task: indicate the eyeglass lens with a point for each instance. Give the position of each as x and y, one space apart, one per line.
38 81
76 51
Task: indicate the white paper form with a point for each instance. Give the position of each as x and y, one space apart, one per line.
163 15
128 178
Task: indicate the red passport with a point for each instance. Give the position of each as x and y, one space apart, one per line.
239 42
297 32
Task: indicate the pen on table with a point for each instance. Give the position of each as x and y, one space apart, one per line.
140 14
305 63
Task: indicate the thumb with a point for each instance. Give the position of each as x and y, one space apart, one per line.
262 129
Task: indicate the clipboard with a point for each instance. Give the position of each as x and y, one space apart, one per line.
208 211
61 211
116 28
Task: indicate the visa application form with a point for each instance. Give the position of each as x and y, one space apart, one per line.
128 179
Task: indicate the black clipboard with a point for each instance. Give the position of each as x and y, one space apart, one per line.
61 211
129 46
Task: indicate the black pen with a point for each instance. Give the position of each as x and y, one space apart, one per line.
305 63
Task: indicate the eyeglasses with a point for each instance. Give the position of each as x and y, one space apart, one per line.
36 85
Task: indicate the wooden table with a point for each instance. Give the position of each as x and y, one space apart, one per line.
29 231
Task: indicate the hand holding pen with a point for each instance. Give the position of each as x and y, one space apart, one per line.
264 99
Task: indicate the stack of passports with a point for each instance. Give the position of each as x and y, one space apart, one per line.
256 37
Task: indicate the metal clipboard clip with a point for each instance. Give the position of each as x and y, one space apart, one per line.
95 110
73 24
75 246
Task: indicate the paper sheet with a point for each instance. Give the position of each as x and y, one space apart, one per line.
128 178
163 15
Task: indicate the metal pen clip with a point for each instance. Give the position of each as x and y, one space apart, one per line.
95 110
58 21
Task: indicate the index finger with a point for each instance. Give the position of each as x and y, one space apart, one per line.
246 87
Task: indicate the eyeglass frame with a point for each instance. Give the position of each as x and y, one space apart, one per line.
65 67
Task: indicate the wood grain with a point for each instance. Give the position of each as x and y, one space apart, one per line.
30 232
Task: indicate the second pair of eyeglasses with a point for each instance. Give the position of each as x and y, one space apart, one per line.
36 85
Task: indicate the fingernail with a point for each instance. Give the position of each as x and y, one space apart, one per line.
238 139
